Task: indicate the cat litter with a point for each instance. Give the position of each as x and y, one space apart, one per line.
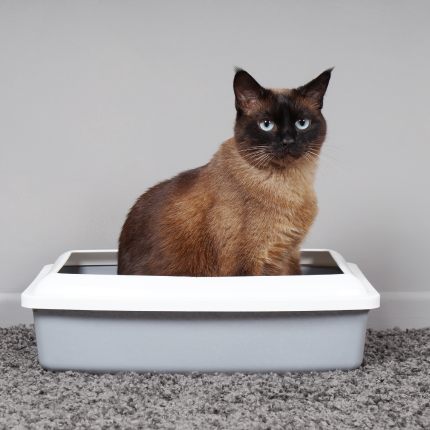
87 318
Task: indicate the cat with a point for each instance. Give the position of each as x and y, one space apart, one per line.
247 211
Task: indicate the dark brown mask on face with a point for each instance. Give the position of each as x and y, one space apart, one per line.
276 127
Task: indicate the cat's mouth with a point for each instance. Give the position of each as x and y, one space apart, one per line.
288 153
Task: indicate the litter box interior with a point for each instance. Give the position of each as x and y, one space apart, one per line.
89 263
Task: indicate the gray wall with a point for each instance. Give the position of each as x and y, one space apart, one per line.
100 100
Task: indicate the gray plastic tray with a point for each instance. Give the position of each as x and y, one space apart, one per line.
181 342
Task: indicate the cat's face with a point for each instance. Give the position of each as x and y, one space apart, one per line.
279 127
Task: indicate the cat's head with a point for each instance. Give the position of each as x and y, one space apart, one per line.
277 128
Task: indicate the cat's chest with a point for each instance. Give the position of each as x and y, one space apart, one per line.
283 218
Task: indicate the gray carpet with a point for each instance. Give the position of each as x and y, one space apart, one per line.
390 390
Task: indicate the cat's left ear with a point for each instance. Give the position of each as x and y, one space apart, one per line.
317 87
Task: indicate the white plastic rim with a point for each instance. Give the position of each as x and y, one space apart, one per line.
53 290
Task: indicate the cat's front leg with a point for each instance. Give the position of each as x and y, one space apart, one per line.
251 268
294 267
293 263
286 264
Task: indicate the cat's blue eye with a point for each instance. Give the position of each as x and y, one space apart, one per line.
266 125
302 123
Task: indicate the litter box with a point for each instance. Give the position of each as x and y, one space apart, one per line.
89 319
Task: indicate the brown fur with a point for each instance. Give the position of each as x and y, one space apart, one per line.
234 216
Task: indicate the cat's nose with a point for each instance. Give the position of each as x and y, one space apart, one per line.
288 140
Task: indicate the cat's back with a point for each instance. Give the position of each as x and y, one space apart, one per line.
148 223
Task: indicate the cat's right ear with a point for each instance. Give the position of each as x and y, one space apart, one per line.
247 91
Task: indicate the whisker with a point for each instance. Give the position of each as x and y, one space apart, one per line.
252 149
315 160
335 159
314 147
328 161
332 147
258 151
312 159
269 159
259 157
263 161
266 160
260 162
255 156
255 153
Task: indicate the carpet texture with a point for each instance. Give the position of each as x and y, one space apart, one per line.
390 390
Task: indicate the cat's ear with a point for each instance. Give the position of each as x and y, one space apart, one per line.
317 87
247 90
